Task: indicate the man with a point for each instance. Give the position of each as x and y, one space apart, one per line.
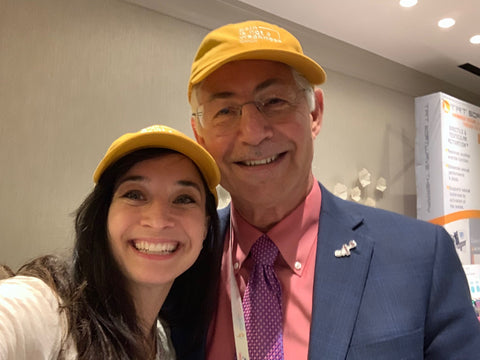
356 282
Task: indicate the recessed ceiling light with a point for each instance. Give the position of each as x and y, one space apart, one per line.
475 39
446 23
408 3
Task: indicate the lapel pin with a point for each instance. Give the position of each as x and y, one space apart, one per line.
345 250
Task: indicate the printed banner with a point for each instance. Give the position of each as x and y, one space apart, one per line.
447 167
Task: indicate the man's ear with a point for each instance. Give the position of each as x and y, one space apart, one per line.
198 137
317 113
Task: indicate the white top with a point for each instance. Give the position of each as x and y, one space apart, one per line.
31 326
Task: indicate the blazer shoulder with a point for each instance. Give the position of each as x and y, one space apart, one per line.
377 222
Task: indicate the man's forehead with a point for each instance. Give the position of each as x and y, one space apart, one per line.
247 76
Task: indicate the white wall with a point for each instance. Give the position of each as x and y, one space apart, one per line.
76 74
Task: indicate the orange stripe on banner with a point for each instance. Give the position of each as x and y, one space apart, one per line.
459 215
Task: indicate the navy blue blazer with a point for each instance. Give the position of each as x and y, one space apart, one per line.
401 294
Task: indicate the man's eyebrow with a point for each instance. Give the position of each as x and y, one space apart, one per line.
220 95
267 83
262 86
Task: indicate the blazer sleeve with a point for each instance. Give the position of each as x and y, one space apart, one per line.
451 329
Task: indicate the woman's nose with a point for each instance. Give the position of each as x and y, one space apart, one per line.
156 215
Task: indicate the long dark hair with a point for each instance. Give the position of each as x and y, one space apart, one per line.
101 313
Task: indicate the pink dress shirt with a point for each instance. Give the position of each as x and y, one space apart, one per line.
296 239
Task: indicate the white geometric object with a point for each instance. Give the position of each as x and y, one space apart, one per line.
364 177
356 194
340 190
381 184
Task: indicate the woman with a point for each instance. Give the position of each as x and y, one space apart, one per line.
146 249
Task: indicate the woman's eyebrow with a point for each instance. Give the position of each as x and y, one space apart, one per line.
190 184
124 179
138 178
132 178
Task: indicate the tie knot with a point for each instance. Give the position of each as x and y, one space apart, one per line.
264 251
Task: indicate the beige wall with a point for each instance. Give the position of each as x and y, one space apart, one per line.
76 74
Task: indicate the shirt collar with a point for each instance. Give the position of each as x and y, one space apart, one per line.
295 235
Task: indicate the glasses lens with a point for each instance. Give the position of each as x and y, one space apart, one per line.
223 115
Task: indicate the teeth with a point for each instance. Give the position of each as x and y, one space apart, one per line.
155 248
261 162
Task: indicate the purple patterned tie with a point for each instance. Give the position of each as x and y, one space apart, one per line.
262 304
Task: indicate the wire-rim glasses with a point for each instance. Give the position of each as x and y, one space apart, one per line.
223 115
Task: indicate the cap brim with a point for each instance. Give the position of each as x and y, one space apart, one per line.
168 140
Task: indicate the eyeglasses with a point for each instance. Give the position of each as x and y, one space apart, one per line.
221 115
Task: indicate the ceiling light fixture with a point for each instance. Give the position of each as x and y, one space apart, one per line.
408 3
446 23
475 39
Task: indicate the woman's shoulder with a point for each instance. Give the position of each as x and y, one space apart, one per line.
32 325
26 288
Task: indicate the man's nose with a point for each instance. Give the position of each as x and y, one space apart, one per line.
254 126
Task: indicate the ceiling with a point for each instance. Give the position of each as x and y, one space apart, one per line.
408 36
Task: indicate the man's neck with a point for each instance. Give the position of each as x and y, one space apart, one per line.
266 216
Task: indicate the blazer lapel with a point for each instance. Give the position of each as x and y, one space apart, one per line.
339 281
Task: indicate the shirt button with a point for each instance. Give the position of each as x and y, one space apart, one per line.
236 265
298 265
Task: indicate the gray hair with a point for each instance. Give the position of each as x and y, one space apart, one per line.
303 83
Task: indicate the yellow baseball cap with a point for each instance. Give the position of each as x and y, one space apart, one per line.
161 136
251 40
